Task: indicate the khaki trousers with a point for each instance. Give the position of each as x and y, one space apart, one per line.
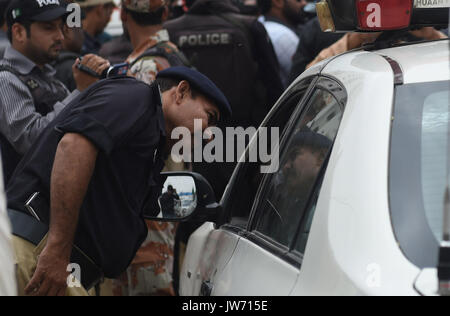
26 255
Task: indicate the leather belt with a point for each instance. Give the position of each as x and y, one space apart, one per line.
30 229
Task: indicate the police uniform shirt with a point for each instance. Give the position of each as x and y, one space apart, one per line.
123 118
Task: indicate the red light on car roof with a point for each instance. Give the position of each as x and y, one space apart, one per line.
383 15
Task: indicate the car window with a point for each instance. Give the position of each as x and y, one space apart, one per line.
249 175
306 222
286 195
435 158
420 168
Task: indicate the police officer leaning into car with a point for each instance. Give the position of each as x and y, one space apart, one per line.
96 168
30 96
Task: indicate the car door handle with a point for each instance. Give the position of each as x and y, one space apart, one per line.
206 288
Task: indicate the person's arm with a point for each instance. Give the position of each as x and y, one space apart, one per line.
348 42
95 63
72 171
429 34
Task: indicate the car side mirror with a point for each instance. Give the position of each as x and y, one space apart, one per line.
186 196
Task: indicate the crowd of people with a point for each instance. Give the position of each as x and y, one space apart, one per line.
82 155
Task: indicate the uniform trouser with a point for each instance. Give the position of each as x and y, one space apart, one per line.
26 256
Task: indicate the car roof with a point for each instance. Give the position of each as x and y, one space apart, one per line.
423 62
419 62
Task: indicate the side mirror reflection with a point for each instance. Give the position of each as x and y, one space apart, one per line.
185 196
178 198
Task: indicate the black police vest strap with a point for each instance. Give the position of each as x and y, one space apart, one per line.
44 99
163 49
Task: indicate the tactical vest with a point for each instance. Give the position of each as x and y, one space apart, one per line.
43 99
222 47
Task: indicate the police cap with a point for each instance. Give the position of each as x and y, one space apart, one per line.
35 11
200 83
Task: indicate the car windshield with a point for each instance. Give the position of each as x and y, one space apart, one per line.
420 168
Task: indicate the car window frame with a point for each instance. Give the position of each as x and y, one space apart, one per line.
286 253
241 167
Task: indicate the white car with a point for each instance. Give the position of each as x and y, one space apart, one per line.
7 269
356 207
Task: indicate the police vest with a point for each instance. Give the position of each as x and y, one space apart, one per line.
44 100
221 46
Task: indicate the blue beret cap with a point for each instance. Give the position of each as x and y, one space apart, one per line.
200 83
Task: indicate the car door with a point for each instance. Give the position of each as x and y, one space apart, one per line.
269 252
210 247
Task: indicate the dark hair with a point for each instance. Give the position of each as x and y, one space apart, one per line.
146 19
315 142
3 6
265 6
165 84
26 24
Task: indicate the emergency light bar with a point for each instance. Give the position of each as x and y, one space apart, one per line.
381 15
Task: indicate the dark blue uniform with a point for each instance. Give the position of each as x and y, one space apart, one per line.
123 118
